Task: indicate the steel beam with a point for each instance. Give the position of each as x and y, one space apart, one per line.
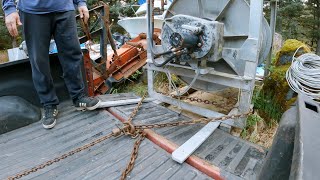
186 106
212 76
273 18
250 54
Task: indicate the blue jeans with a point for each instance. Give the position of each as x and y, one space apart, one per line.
38 30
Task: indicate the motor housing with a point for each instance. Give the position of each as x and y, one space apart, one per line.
202 38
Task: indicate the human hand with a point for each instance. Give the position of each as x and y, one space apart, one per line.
84 13
12 21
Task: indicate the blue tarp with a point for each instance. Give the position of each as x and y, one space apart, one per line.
54 50
140 2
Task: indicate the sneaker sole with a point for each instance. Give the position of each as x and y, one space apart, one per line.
89 108
50 126
94 107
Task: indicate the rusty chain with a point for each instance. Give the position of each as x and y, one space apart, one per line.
134 133
128 129
192 122
136 109
57 159
192 99
131 130
137 130
134 155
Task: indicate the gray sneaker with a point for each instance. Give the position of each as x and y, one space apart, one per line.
87 103
49 118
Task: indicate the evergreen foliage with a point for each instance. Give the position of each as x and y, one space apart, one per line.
5 38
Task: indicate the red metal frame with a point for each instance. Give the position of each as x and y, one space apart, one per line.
130 57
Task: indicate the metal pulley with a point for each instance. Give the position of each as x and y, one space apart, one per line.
211 45
223 26
214 31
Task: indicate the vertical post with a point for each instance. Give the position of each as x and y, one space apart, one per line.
250 54
162 6
103 36
273 17
149 50
88 73
104 12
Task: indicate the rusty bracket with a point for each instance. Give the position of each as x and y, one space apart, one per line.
107 26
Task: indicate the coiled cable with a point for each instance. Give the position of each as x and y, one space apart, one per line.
303 76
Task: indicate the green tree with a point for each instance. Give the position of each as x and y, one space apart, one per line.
298 19
312 23
5 38
116 9
290 14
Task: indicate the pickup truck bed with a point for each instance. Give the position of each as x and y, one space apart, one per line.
31 145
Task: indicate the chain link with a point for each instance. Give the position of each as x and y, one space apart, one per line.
192 122
136 109
57 159
129 128
192 99
134 155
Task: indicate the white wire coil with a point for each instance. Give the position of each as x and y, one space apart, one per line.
303 76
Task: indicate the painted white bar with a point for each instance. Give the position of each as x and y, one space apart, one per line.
186 149
123 102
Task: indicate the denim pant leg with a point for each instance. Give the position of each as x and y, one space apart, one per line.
37 32
69 52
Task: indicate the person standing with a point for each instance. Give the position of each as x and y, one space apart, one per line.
41 20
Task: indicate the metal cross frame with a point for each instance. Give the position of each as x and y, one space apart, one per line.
249 53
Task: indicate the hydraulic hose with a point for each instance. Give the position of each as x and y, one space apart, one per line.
163 53
167 60
173 50
150 22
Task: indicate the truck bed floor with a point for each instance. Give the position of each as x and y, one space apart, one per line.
32 145
29 146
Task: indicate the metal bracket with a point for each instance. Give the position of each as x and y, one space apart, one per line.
123 102
186 149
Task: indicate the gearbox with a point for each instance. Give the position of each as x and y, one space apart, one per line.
200 38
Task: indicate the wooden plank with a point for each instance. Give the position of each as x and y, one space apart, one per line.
184 151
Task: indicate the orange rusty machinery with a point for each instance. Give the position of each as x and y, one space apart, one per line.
129 58
103 72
